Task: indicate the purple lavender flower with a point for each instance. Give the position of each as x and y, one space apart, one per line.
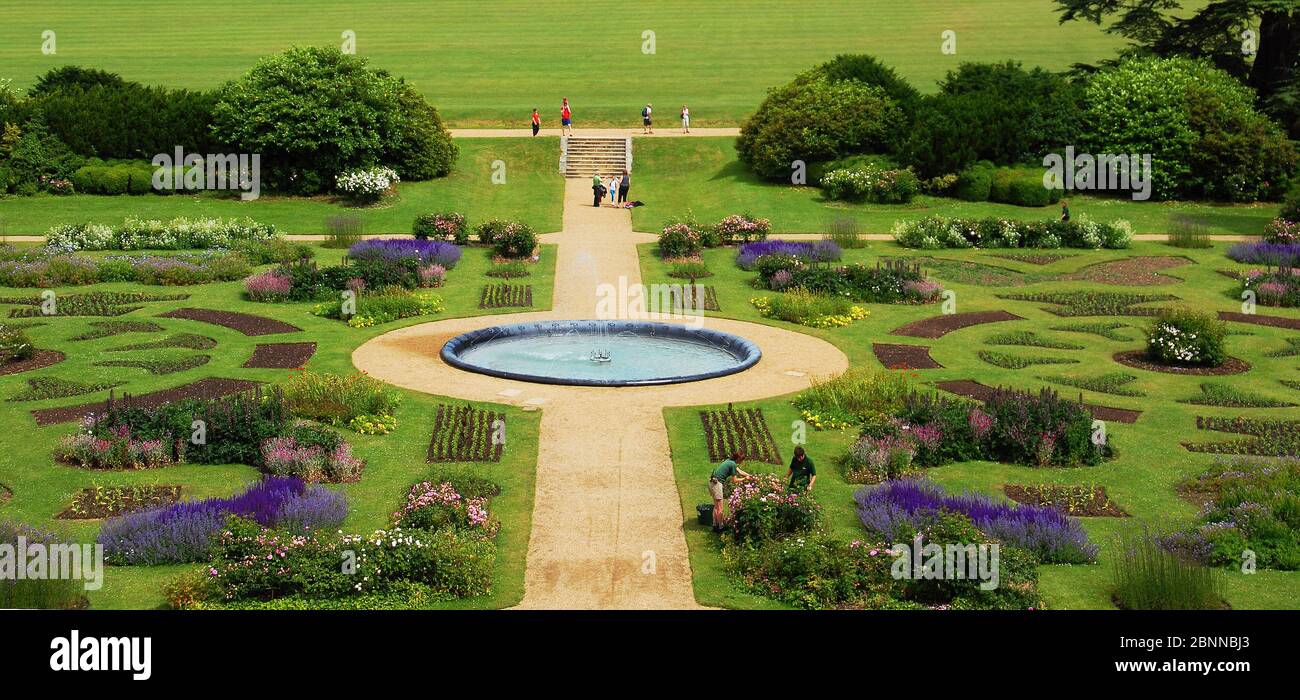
1272 254
428 252
894 508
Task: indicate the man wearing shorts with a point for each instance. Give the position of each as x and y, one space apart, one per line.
566 118
729 470
647 123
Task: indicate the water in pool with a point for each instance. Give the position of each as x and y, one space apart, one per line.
627 358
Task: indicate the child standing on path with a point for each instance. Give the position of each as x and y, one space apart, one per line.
566 118
647 122
613 190
537 121
686 119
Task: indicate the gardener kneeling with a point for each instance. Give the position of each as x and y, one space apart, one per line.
728 470
803 473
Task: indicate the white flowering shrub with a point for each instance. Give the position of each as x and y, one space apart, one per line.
152 234
366 184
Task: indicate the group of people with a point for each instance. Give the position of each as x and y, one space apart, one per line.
647 119
802 474
616 190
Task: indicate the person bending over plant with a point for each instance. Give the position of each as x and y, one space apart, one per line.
729 470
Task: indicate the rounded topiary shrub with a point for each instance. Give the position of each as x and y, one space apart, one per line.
315 113
1181 337
815 119
974 184
1198 123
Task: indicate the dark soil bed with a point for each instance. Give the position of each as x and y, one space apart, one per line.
1079 501
904 356
1133 272
1259 320
281 355
247 324
980 392
39 359
211 388
939 326
108 501
1138 359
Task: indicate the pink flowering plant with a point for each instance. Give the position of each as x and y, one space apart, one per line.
742 228
762 509
271 285
116 449
437 505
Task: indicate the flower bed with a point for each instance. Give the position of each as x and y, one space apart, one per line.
808 309
936 232
43 388
392 250
741 228
186 532
808 251
108 501
1265 253
1068 499
1084 303
1247 505
245 428
1115 383
15 346
139 234
87 304
63 593
871 183
896 509
385 306
890 282
1266 438
41 268
1272 288
366 185
445 226
437 505
355 400
500 296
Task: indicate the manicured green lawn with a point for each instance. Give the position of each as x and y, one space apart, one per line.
704 177
1140 480
491 63
43 487
532 192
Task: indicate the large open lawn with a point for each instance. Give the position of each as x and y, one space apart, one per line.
491 63
530 193
703 176
1150 462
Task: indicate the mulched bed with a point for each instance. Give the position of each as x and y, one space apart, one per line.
1079 501
1138 359
1260 320
124 499
281 355
980 392
248 324
465 434
904 356
744 430
939 326
39 359
1134 272
211 388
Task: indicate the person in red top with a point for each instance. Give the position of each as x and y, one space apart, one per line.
566 118
537 121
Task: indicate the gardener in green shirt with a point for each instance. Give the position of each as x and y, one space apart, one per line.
803 473
729 469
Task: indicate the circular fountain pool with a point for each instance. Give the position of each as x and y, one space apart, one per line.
601 353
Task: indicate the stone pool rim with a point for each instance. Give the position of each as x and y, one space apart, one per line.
746 353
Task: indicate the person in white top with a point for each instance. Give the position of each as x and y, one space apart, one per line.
613 190
686 119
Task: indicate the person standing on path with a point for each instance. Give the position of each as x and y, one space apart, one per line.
647 120
597 190
566 118
686 119
803 473
623 185
613 190
729 470
537 121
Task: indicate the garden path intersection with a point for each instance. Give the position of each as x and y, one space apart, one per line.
607 518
